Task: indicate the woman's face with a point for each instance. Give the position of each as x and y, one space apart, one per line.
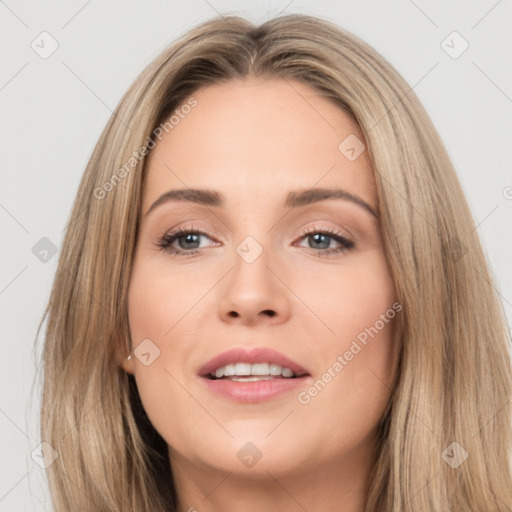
263 268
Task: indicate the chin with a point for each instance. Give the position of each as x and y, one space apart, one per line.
251 452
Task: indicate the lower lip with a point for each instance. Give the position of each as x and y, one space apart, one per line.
253 392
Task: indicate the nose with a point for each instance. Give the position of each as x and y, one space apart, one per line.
255 293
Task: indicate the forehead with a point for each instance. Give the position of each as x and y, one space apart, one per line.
254 140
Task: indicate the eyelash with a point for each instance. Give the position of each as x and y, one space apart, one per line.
164 243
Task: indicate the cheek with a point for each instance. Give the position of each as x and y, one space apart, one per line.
354 362
351 390
345 300
163 307
157 300
367 293
365 324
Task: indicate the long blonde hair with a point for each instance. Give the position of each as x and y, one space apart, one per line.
453 380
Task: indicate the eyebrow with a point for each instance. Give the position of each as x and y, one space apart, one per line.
295 199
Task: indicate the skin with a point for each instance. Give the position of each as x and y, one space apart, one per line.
254 140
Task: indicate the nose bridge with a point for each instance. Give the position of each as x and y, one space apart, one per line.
253 255
252 230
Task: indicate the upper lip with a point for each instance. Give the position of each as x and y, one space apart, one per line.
255 355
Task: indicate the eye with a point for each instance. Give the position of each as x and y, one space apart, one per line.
188 240
323 237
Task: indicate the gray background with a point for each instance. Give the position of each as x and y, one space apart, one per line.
53 111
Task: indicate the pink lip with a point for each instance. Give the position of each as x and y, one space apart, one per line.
256 355
251 392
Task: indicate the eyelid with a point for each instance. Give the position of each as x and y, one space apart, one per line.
196 226
320 225
306 227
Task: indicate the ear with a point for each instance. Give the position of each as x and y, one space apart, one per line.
128 364
125 360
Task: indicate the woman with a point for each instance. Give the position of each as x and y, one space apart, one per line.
257 368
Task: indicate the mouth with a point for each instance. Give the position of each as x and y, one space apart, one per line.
247 372
252 376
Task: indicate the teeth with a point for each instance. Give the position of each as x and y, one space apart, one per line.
256 369
275 369
259 369
242 369
229 369
286 372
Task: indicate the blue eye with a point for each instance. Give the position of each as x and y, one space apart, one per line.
190 236
321 236
189 241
